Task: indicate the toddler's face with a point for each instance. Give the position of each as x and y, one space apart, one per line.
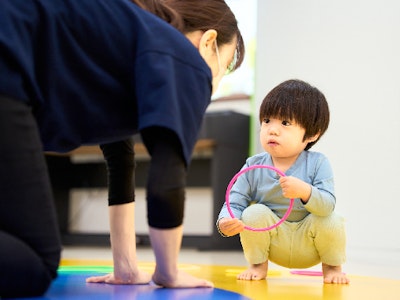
282 138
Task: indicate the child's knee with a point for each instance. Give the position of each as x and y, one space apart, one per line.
256 214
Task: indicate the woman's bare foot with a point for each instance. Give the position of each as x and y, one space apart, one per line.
181 280
255 272
138 278
334 274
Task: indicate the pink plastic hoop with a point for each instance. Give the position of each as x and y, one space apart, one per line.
307 273
233 180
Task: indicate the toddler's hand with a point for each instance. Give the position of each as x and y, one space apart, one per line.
293 187
230 227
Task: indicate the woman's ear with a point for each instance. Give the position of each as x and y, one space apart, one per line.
207 41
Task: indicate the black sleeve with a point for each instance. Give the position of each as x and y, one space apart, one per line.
166 180
120 160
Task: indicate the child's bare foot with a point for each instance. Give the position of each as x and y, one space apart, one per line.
255 272
181 280
334 274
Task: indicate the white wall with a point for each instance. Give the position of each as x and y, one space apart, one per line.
350 50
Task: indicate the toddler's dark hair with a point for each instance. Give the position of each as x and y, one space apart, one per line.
298 101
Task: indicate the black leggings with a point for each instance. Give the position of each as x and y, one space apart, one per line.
29 238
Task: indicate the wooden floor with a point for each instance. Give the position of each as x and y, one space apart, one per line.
279 285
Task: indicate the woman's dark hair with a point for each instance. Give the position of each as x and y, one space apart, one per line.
192 15
299 101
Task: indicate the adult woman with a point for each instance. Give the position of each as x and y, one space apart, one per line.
96 72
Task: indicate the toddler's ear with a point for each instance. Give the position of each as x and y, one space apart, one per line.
313 138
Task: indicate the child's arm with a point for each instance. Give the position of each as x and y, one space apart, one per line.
318 198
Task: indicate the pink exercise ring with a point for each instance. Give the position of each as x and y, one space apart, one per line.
228 189
307 273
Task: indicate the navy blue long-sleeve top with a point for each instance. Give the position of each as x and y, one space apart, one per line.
98 71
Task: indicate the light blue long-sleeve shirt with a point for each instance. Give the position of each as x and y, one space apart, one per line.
261 185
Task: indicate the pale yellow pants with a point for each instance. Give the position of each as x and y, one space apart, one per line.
293 244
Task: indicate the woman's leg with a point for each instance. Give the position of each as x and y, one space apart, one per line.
165 196
29 237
